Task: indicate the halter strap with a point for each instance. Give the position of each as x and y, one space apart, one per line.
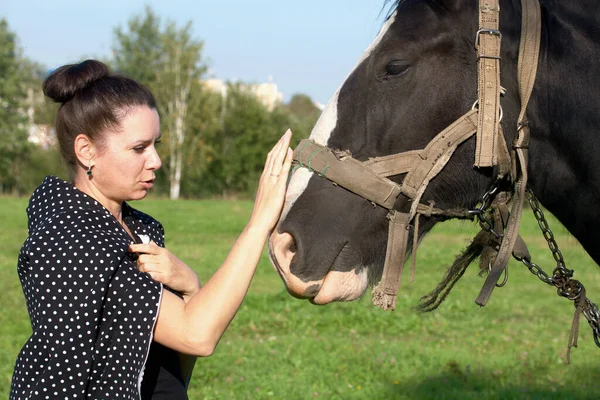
385 293
369 180
529 49
347 172
487 42
436 155
363 179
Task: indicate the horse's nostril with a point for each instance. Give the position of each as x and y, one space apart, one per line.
292 246
283 247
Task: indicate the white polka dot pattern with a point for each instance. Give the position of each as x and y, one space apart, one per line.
92 312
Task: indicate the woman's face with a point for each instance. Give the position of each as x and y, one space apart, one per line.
125 163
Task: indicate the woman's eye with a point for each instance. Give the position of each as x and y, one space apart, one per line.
138 149
396 68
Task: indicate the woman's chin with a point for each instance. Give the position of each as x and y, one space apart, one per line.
139 195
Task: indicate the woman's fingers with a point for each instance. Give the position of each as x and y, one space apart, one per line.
269 161
272 169
150 267
152 258
287 164
281 153
150 248
157 276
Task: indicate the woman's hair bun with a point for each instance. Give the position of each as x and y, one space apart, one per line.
64 83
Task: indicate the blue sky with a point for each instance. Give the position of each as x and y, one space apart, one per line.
306 46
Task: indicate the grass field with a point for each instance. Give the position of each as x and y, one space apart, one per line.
279 347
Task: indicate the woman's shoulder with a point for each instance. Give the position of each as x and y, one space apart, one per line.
58 204
82 220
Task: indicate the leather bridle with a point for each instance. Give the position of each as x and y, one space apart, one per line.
370 179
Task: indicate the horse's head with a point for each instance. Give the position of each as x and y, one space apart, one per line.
416 78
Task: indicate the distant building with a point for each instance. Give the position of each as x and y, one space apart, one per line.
216 86
266 93
42 135
320 106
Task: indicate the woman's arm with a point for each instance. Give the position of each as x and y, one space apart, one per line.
196 326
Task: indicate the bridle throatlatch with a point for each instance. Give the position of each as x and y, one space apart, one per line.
370 179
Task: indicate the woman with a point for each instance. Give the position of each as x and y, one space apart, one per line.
103 327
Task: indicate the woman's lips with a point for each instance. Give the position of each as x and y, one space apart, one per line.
148 184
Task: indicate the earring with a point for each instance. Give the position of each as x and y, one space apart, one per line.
89 171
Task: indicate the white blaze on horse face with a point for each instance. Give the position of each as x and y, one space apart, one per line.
295 188
335 286
325 125
328 119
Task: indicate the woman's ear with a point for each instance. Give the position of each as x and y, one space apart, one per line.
84 150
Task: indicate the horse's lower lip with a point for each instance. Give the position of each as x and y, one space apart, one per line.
314 294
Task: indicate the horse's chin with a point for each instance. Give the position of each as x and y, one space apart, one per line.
341 286
335 285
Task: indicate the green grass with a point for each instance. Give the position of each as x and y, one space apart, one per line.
282 348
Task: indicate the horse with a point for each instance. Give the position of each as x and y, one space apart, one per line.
420 75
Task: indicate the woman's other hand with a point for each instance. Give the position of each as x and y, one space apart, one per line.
164 267
270 195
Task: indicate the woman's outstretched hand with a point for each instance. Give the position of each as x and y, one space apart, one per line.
164 267
197 326
270 195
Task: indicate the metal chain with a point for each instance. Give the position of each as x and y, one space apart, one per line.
481 210
561 276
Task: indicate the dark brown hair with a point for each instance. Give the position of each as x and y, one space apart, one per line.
92 101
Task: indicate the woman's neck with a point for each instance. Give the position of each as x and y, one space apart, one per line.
86 185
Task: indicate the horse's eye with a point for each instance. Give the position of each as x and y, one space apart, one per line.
396 68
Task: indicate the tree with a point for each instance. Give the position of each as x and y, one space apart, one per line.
137 50
247 133
200 148
168 61
303 114
302 106
13 120
181 58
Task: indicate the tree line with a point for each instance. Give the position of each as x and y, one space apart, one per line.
213 144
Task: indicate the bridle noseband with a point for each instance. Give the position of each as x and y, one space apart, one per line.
369 179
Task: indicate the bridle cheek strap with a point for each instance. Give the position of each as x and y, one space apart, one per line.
487 43
435 156
365 179
529 51
385 293
368 179
511 233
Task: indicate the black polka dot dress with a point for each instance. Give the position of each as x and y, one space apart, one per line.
92 312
